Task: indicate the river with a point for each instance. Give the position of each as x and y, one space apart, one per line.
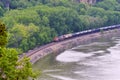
95 61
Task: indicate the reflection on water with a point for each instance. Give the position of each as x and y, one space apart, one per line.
95 61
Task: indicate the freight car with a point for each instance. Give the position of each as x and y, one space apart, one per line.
67 36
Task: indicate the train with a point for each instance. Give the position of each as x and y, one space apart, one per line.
85 32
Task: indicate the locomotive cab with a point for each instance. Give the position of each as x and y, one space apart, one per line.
56 39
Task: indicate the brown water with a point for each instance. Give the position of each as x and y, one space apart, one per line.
95 61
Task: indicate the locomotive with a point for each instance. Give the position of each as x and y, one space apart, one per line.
67 36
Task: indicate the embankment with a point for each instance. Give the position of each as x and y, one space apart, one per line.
58 47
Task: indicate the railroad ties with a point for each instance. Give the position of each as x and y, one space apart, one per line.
58 47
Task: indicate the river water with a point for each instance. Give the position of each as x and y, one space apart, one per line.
95 61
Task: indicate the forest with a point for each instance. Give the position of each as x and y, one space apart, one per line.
32 23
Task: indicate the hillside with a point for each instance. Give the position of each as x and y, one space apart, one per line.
33 23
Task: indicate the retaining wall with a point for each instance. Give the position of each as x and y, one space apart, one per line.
59 47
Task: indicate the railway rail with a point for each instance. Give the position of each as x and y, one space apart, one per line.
45 49
29 53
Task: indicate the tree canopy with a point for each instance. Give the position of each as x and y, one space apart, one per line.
11 66
32 23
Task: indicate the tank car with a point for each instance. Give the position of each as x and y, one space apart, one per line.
76 34
67 36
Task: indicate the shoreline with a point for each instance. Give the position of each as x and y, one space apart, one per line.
58 47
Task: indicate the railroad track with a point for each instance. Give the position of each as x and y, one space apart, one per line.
35 50
40 48
31 52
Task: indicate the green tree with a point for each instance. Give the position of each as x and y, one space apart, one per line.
11 66
3 35
109 5
53 17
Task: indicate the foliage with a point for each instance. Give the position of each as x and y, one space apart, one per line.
36 22
3 35
11 66
32 23
106 4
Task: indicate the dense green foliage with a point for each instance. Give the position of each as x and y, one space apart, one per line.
3 35
10 67
36 22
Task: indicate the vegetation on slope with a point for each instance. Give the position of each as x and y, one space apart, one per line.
10 67
36 22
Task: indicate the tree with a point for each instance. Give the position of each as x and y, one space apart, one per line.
58 16
11 66
106 4
3 35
